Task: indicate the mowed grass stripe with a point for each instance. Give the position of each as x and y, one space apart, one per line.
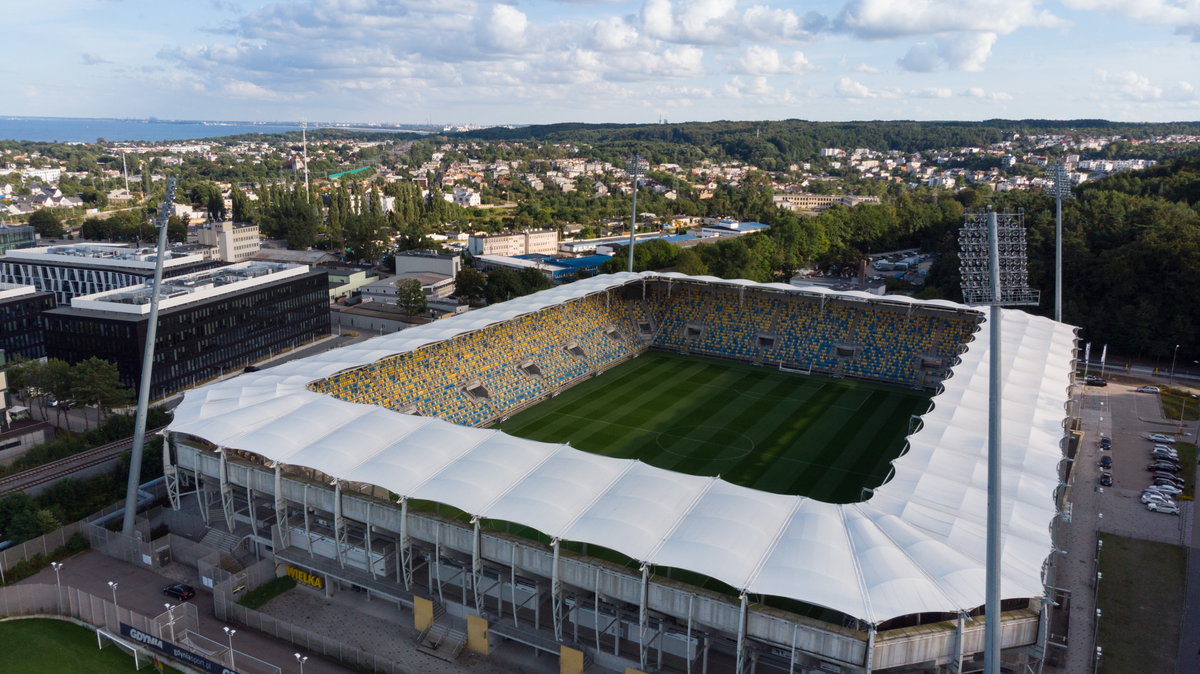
754 426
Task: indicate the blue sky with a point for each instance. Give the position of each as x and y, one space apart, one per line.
541 61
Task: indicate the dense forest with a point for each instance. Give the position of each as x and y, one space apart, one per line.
773 145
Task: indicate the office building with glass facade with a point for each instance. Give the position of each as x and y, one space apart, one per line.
85 269
209 323
20 334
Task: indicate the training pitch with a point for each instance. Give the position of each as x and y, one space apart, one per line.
757 427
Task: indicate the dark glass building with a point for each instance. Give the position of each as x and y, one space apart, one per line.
208 323
20 334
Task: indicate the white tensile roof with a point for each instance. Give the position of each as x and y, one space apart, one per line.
916 545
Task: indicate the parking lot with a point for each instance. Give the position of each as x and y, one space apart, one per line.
1127 416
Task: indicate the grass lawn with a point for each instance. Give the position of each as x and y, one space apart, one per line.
1176 401
39 646
1139 622
754 426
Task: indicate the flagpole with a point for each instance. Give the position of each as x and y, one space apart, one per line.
1087 357
1103 357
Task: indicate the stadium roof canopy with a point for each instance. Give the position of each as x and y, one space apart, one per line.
916 545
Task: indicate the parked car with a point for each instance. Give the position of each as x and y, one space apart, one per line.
1106 462
1167 478
1147 389
1167 489
1167 456
180 591
1163 464
1156 497
1169 509
1105 443
1163 447
1093 380
1159 437
1105 479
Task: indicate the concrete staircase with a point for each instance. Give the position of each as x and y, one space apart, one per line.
442 642
222 540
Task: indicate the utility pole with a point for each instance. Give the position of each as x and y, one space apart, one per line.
143 403
125 170
304 152
633 215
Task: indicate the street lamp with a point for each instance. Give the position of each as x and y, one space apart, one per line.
112 585
171 619
1171 378
301 659
229 632
58 582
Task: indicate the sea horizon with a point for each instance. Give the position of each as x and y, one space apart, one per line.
30 128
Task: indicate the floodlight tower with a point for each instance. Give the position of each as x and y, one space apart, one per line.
1061 190
995 273
143 403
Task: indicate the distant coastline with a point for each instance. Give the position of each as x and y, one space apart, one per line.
88 130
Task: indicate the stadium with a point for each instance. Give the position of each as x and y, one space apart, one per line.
775 478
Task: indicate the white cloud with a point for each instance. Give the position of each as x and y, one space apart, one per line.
718 21
1184 15
932 92
738 88
760 60
967 51
1133 86
885 19
848 88
613 34
979 92
90 59
503 28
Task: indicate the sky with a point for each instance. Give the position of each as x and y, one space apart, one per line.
628 61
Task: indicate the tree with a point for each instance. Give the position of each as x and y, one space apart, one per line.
689 262
97 381
47 223
410 298
177 229
470 284
364 237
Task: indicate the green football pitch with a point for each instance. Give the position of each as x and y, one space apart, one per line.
41 646
754 426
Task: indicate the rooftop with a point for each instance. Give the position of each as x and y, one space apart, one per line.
189 287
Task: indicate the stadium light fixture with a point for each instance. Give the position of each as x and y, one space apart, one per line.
58 582
229 632
994 271
165 209
112 585
1060 188
301 659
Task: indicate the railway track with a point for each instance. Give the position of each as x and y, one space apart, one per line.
64 467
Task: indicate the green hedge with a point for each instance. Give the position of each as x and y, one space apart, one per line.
76 544
264 593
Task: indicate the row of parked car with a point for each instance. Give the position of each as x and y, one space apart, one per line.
1165 484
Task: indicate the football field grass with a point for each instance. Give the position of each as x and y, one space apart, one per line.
42 646
754 426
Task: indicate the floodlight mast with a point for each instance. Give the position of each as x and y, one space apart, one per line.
994 279
1061 190
143 402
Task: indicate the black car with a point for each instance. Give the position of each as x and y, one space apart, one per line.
1096 381
1105 479
1106 462
1105 443
180 591
1168 467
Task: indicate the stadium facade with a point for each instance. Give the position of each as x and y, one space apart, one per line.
371 467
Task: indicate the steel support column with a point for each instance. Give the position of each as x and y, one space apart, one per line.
959 625
476 563
556 593
870 656
405 546
741 639
250 510
370 562
643 615
307 524
170 472
281 518
226 492
339 525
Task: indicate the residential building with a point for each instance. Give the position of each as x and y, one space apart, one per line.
235 242
86 269
543 241
815 203
428 261
209 323
433 285
20 334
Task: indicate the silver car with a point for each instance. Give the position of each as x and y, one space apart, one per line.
1169 509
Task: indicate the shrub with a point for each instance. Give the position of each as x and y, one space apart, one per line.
264 593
